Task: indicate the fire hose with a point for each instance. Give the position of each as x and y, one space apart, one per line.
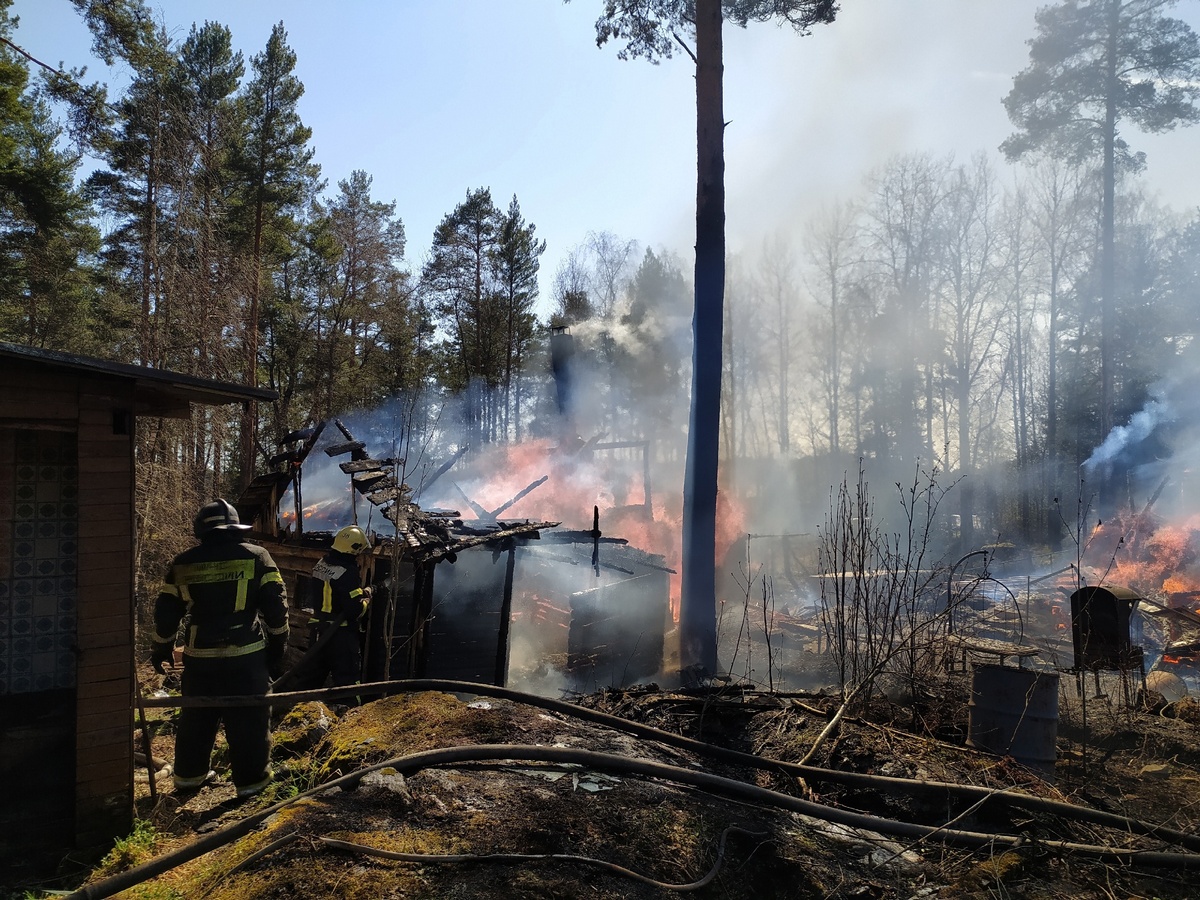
714 784
909 786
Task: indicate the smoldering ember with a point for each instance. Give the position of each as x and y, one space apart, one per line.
865 564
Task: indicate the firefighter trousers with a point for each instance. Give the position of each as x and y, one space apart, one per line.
339 660
247 728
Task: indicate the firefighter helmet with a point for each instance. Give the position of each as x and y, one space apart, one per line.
352 540
217 516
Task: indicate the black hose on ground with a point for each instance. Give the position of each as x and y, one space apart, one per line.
715 784
910 786
428 858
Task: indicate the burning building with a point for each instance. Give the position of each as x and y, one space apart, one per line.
481 597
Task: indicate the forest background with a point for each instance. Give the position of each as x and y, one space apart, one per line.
945 313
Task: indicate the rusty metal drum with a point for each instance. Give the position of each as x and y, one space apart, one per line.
1014 712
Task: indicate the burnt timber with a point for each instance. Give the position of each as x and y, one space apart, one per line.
412 633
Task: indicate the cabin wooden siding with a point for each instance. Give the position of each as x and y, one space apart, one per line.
104 770
98 410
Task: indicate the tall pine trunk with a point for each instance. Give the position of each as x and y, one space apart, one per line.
697 614
1107 239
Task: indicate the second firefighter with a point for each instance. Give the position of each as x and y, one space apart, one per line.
339 602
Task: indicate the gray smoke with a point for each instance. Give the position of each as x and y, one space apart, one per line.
1124 440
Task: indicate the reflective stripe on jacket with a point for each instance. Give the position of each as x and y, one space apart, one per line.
336 588
223 587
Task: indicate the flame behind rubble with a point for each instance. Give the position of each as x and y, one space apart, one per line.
611 481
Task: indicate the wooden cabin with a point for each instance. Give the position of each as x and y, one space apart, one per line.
452 626
448 589
67 541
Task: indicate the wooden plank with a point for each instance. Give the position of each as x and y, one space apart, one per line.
93 689
100 656
107 752
99 414
21 374
105 473
120 735
113 491
101 571
21 383
112 515
113 819
97 616
102 567
107 631
101 618
96 417
360 465
106 385
102 601
104 779
101 441
89 642
97 443
29 423
118 541
112 634
99 583
100 711
104 800
98 836
381 495
18 386
105 598
95 457
105 816
364 480
30 409
347 447
104 464
108 672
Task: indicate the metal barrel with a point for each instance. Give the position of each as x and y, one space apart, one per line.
1014 712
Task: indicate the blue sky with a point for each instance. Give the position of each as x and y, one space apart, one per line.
437 97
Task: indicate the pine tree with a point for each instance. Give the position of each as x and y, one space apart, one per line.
133 190
366 279
276 174
652 29
1092 65
515 260
458 279
48 283
204 127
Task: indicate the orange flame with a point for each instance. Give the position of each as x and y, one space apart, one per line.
609 481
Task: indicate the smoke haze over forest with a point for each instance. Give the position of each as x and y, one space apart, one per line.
407 92
894 286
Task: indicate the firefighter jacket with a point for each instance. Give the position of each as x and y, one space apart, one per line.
337 590
225 592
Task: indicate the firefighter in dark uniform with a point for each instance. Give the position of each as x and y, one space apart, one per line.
339 601
234 637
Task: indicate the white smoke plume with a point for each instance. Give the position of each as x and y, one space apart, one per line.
1126 438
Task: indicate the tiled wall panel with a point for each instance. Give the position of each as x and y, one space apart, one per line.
39 529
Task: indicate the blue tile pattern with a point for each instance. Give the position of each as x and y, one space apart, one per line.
39 529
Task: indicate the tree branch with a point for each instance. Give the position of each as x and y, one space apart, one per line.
686 48
33 59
